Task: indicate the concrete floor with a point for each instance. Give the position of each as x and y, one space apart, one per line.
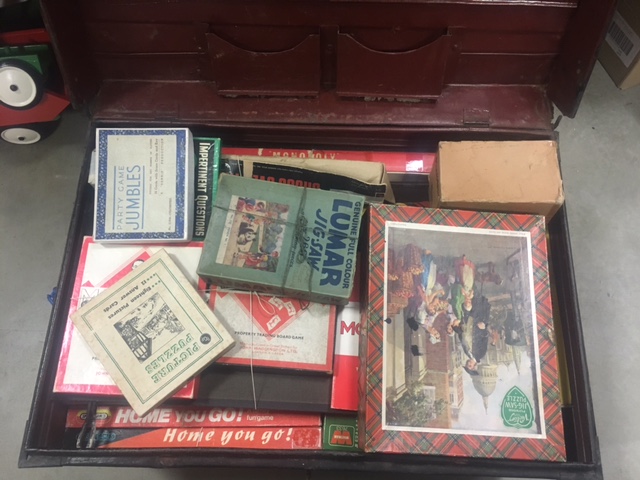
600 151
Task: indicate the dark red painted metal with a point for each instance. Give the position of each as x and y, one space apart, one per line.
378 73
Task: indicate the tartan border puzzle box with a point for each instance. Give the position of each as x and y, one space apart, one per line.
458 347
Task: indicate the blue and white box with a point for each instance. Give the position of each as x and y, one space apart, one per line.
144 189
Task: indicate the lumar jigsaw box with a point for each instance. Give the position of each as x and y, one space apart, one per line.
329 75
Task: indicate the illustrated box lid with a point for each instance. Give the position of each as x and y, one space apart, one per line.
401 76
464 363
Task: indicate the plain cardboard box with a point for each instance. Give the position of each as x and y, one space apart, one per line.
511 177
620 52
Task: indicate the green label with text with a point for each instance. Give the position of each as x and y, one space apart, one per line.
516 409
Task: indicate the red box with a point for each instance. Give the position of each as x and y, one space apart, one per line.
395 162
259 438
185 417
274 331
346 364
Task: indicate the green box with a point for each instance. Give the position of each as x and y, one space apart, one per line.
280 239
340 433
207 165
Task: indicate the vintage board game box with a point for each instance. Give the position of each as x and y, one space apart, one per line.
186 417
457 347
340 432
256 438
274 331
277 238
346 362
408 172
152 332
363 178
207 163
144 185
100 267
394 162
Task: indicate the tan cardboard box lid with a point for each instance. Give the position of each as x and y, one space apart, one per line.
517 177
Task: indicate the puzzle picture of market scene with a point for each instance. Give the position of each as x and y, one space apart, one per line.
460 343
149 327
256 233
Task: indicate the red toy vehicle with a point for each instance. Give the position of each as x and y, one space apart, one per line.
28 112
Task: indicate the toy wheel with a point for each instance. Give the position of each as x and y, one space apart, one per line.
21 85
28 134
